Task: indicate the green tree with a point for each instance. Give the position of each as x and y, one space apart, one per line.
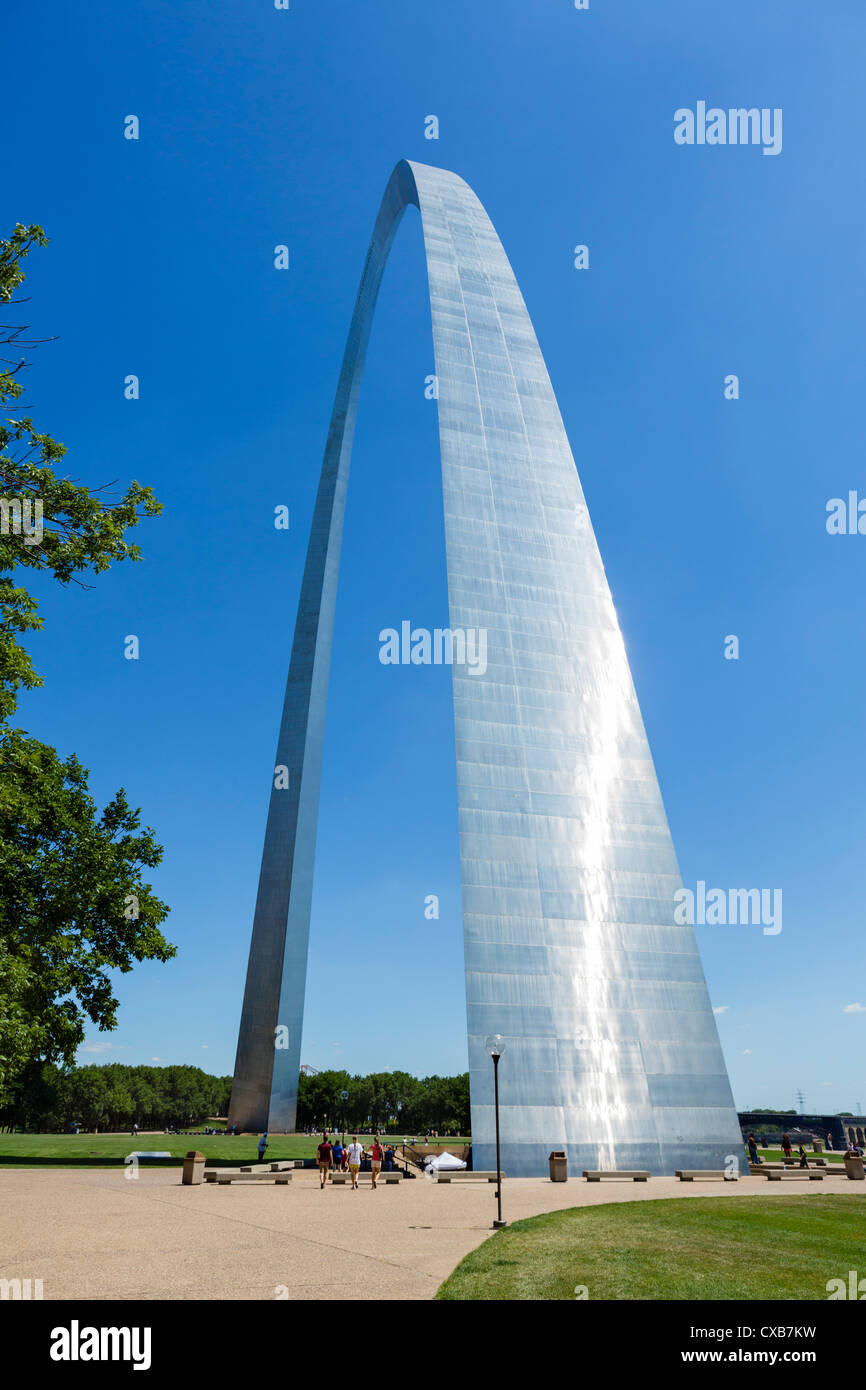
404 1093
83 529
73 904
88 1097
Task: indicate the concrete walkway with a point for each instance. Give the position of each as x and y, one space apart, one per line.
94 1234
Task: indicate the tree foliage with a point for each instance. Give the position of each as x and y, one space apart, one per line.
115 1097
84 529
384 1099
73 904
48 1097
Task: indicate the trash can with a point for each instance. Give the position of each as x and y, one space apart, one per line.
558 1166
817 1146
193 1167
854 1168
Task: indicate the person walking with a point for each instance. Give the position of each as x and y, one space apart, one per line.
324 1158
377 1153
337 1148
263 1144
804 1162
786 1146
356 1153
754 1156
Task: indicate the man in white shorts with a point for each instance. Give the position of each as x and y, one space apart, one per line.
355 1155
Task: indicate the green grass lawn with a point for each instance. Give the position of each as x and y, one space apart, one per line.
79 1150
775 1155
686 1248
83 1150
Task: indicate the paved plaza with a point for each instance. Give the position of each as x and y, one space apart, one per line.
94 1234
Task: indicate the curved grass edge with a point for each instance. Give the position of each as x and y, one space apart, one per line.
667 1249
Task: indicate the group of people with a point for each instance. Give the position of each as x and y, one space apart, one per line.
788 1150
349 1157
345 1158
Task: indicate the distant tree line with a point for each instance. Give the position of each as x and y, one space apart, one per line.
384 1100
762 1110
114 1097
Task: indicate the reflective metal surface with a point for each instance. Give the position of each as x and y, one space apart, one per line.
567 862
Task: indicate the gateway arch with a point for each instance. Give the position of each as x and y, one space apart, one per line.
568 869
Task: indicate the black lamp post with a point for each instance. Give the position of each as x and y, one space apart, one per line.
495 1045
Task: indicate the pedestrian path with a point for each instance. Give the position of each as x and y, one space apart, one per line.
95 1234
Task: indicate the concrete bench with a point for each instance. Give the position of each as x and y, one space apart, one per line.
711 1174
633 1175
464 1175
342 1178
811 1173
264 1167
280 1179
275 1173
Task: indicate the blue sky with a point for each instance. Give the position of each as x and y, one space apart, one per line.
261 127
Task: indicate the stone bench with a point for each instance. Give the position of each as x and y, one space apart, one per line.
711 1174
265 1170
795 1174
627 1174
464 1175
264 1167
245 1175
341 1178
225 1179
775 1167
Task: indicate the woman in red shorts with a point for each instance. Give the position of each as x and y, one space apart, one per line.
376 1156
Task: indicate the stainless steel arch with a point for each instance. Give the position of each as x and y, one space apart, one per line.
568 868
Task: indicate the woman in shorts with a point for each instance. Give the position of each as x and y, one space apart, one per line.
355 1156
376 1156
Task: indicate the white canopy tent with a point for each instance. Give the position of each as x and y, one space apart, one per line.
446 1162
